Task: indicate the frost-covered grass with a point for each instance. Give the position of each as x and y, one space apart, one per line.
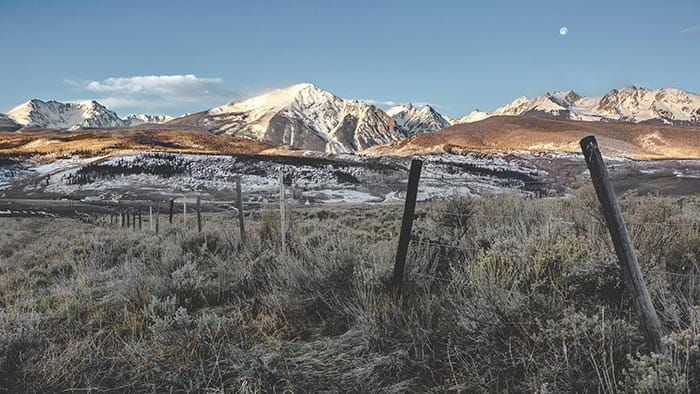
502 294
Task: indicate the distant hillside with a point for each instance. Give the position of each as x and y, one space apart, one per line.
525 133
112 141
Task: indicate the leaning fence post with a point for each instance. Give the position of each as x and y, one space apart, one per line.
282 226
407 223
239 203
624 248
170 217
199 214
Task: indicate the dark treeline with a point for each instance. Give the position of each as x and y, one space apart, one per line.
152 164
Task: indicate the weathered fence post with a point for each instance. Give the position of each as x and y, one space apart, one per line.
632 274
282 224
407 223
133 219
150 218
184 214
140 219
128 218
199 214
239 205
157 216
170 217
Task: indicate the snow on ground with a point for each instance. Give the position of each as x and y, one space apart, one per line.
316 178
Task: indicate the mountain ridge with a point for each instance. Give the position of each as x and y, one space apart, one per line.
53 114
302 116
537 134
629 104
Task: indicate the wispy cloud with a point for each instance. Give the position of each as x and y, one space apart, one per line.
380 103
157 92
691 30
389 103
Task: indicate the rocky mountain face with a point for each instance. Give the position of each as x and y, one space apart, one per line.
7 124
71 116
630 104
58 115
139 119
412 120
302 116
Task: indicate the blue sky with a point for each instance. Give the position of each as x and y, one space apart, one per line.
172 57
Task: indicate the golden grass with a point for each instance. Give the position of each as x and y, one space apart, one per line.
517 133
48 143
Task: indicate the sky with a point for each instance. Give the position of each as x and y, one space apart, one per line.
174 57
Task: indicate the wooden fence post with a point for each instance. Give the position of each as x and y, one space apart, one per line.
121 213
199 214
239 204
632 274
282 224
150 218
407 223
170 217
133 219
184 214
128 218
157 216
140 220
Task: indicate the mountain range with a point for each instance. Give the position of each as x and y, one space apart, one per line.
72 116
304 116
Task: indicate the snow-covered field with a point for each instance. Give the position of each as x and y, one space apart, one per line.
313 178
310 178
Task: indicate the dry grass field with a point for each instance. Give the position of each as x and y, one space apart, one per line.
525 133
54 144
503 294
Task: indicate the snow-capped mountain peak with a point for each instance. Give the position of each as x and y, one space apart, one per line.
412 120
58 115
74 115
473 116
629 104
304 116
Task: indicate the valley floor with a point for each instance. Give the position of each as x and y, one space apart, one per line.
503 294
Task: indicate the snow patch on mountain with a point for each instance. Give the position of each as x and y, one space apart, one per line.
139 119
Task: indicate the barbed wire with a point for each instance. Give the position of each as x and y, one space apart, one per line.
607 266
570 222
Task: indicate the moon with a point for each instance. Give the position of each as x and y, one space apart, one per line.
563 30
